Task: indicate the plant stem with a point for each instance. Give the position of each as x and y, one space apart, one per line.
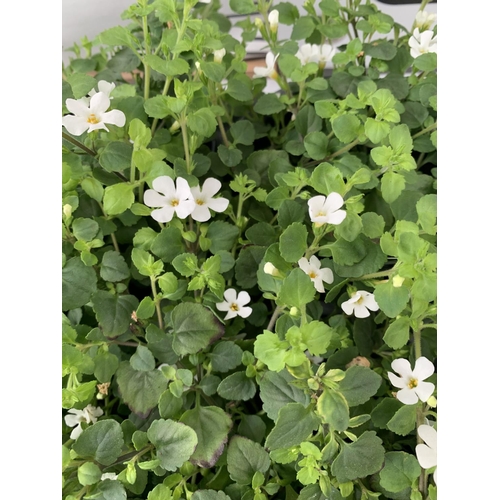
79 144
115 243
425 130
417 342
380 274
164 92
334 155
223 132
274 317
185 140
147 69
157 302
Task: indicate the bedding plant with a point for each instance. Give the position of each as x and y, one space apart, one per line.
249 271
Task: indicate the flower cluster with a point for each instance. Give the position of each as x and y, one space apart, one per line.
359 303
422 42
411 382
235 304
325 210
181 200
312 268
320 54
424 20
88 415
91 113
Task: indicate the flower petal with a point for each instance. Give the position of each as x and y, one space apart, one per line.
75 433
72 420
244 312
164 214
243 298
360 311
314 261
75 125
424 390
337 217
218 204
396 381
164 184
154 199
333 202
423 368
222 306
230 295
347 307
230 314
402 366
185 208
200 213
427 457
326 275
78 107
99 103
370 303
429 435
316 203
115 117
318 284
407 396
183 189
210 187
304 265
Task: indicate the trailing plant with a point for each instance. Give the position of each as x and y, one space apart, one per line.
249 275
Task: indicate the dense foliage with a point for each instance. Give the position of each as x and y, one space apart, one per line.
249 275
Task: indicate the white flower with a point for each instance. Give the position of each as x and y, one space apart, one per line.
269 70
204 1
326 210
105 87
411 382
427 453
219 54
308 53
422 43
234 304
269 268
88 414
424 20
204 200
91 116
313 269
325 54
109 475
171 200
359 303
274 17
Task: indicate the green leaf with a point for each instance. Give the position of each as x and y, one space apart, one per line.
426 62
213 70
81 84
376 130
373 224
371 263
109 490
142 360
276 391
293 242
175 442
359 385
398 333
101 441
194 328
169 406
294 424
384 411
116 156
202 122
168 244
316 144
106 364
359 459
243 132
174 67
225 356
347 252
210 495
297 289
79 282
230 156
399 472
242 6
327 179
222 236
308 121
85 229
392 185
157 107
244 458
93 188
247 265
346 127
427 213
212 426
236 387
160 492
333 408
114 312
381 50
89 473
269 349
140 390
403 422
118 36
317 336
350 228
391 300
118 198
268 104
239 87
303 28
113 267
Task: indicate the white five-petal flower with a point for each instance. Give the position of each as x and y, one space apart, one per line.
427 453
273 18
411 381
103 86
424 20
269 70
172 200
77 417
308 53
235 304
91 116
204 200
109 475
359 303
325 210
219 54
313 269
325 54
422 42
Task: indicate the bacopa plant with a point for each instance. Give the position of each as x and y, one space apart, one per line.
249 275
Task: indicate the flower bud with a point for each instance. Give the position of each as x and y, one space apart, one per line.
270 269
67 210
294 311
258 22
175 126
397 281
218 55
432 402
274 20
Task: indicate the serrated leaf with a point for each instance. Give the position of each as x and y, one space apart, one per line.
244 458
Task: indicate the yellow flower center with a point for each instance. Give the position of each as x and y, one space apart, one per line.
412 383
200 202
321 214
174 203
234 307
312 274
92 119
